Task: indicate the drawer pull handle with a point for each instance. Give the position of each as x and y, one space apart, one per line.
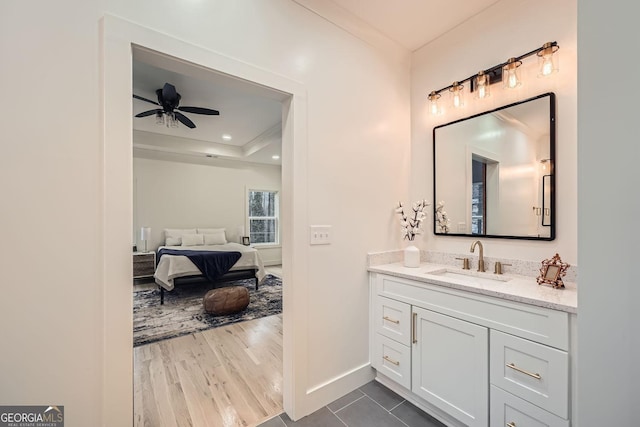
511 424
415 317
515 368
388 319
390 360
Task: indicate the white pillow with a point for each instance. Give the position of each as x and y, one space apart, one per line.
220 237
173 236
215 238
192 239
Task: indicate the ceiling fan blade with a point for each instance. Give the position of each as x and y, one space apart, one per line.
145 99
200 110
184 120
149 113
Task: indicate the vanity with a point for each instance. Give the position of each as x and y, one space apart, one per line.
475 349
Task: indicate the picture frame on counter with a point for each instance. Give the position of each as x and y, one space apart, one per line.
552 271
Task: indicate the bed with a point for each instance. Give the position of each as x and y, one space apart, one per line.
174 269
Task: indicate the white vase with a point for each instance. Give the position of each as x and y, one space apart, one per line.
411 256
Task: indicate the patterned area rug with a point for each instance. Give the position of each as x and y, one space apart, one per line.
183 312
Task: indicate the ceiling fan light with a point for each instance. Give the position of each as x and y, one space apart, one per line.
159 118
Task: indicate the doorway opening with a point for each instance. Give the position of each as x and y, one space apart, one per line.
185 370
120 38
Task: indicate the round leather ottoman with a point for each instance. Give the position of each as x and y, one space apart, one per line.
229 300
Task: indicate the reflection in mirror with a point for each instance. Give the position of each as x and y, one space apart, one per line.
495 171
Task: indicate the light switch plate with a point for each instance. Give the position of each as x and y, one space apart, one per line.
320 235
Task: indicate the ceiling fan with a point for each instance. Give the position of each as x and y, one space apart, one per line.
169 100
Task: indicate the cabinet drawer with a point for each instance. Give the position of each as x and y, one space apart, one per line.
392 359
508 410
534 372
538 324
143 258
393 319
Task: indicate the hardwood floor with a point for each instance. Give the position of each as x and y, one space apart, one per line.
227 376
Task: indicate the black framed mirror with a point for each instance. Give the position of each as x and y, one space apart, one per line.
495 172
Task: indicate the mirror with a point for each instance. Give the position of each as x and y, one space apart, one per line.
495 172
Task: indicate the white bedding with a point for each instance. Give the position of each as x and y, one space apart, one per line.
171 267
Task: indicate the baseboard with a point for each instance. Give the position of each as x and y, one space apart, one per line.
418 402
271 262
325 393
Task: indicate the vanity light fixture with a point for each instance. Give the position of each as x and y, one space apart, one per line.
507 72
510 74
434 103
545 165
457 95
548 60
482 85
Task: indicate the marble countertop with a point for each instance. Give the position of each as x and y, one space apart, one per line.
512 287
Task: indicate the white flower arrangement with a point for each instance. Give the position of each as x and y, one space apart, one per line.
442 218
410 225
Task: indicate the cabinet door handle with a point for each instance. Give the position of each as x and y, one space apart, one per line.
390 360
388 319
515 368
511 424
414 326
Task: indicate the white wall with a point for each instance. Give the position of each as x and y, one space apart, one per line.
608 153
170 194
60 310
506 29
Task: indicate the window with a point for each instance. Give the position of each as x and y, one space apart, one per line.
478 196
264 215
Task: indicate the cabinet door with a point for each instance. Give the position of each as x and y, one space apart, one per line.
450 366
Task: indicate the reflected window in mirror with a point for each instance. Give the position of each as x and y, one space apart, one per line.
478 185
495 171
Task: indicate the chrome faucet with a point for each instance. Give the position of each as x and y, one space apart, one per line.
481 255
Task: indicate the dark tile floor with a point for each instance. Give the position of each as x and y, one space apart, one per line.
372 405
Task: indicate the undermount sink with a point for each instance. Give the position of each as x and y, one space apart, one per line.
469 276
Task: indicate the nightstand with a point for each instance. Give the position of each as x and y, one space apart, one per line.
144 264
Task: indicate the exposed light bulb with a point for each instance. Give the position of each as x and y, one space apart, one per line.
547 60
547 65
434 103
482 85
457 95
457 102
510 74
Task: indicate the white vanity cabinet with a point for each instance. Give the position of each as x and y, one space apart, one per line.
470 359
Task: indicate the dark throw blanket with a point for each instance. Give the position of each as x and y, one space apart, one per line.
212 264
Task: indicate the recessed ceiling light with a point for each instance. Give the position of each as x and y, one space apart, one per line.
276 157
226 137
